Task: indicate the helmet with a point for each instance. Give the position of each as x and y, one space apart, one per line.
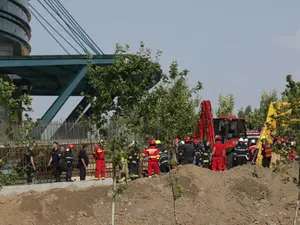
263 138
101 142
218 137
182 142
252 141
187 139
158 142
98 147
176 140
241 140
196 141
246 140
207 143
293 143
152 142
70 146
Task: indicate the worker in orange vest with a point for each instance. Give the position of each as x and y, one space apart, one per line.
252 149
100 162
218 155
152 154
266 152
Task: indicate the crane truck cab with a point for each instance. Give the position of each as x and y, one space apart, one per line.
230 128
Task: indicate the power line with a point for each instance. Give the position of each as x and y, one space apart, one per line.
78 42
53 29
59 12
79 27
49 32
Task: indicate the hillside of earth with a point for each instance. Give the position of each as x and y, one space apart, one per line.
238 196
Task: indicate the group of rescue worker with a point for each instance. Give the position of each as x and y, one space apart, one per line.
157 158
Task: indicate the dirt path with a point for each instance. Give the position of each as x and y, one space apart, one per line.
234 197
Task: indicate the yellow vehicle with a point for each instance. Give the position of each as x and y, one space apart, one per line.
269 130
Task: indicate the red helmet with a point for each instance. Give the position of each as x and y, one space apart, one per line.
152 142
218 137
187 139
196 141
177 140
70 146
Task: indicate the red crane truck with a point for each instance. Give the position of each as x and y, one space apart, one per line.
230 128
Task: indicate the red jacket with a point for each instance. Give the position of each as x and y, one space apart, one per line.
252 148
220 148
98 153
152 153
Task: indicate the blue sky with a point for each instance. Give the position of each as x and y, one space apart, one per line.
232 46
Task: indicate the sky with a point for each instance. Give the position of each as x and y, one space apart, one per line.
232 46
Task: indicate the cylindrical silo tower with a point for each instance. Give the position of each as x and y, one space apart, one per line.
15 31
15 34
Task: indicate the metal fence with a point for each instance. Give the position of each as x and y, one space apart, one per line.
13 169
50 132
12 157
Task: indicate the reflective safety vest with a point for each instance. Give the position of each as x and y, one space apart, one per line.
152 154
268 150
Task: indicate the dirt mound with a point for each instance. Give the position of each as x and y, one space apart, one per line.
235 197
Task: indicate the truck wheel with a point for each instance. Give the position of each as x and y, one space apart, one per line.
229 160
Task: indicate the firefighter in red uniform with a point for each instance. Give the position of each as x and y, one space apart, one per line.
218 155
100 162
152 153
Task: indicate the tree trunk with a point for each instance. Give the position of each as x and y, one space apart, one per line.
113 206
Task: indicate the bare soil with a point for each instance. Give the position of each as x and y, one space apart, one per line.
234 197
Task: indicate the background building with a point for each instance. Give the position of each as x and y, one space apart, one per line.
15 34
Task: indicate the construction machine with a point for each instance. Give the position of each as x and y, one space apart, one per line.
270 129
230 128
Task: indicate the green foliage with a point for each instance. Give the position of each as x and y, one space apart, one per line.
170 109
257 117
14 105
226 105
245 113
289 123
119 88
177 188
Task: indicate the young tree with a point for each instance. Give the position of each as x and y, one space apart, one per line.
245 113
257 117
288 123
14 105
117 90
170 109
226 105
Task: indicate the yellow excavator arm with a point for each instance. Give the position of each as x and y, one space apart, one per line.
269 129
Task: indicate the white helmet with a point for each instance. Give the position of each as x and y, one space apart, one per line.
246 140
293 143
182 142
132 144
241 140
253 141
